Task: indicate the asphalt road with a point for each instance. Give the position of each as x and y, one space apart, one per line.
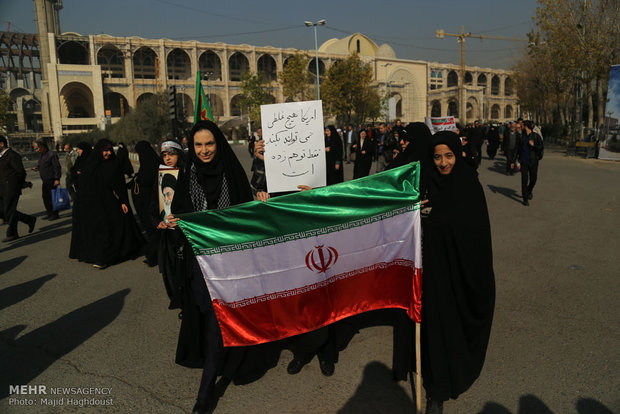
555 343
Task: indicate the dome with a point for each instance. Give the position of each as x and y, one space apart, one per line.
386 51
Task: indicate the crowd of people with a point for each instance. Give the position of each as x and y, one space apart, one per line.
458 284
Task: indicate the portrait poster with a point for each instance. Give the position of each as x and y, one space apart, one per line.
294 145
610 142
166 186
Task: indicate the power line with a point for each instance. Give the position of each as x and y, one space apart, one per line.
238 34
182 6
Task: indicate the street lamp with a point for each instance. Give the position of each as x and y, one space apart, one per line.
316 48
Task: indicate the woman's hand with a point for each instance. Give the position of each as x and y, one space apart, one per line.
262 196
423 203
124 208
303 187
172 221
162 225
326 149
259 149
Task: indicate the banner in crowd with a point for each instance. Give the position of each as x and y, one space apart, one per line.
610 144
294 145
305 260
436 124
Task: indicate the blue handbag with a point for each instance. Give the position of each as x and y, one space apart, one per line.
60 199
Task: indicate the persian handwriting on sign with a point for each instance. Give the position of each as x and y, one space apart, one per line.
294 145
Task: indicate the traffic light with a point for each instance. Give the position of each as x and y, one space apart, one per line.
172 102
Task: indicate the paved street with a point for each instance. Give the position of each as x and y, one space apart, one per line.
555 343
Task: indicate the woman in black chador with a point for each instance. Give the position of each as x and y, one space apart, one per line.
143 189
79 228
111 233
333 156
458 284
213 179
364 153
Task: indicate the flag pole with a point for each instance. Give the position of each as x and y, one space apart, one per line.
418 371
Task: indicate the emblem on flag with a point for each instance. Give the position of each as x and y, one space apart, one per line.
327 258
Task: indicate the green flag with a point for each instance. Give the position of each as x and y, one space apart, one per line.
203 109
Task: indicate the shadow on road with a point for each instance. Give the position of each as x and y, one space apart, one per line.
508 192
8 265
15 294
499 166
378 392
56 231
530 404
26 357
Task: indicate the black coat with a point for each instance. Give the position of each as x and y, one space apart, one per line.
12 174
535 151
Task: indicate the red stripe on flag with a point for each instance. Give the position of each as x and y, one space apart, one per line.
292 313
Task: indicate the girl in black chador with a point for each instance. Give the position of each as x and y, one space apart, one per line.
458 284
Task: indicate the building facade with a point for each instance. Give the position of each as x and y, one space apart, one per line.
82 82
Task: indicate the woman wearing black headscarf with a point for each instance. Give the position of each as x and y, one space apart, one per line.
112 233
142 189
458 284
333 156
79 228
213 179
364 153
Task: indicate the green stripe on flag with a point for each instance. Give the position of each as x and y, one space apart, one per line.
303 214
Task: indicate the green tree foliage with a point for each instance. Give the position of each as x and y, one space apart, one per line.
149 122
254 94
7 119
295 78
347 93
572 47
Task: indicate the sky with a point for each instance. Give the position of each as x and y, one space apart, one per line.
407 25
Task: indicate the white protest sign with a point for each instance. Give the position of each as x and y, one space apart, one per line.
294 145
436 124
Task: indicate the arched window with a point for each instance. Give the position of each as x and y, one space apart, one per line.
73 53
179 65
495 85
77 101
495 111
144 62
508 87
235 105
116 103
453 79
266 67
453 109
209 62
436 109
508 112
238 65
312 69
358 46
468 78
482 80
110 58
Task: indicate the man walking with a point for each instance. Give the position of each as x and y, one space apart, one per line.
12 179
530 147
509 145
50 171
386 144
351 139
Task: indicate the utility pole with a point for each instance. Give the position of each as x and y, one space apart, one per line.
440 34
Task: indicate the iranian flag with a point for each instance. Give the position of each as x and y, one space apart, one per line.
302 261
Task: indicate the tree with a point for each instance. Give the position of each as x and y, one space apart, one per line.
149 122
347 93
563 76
295 78
254 94
7 120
